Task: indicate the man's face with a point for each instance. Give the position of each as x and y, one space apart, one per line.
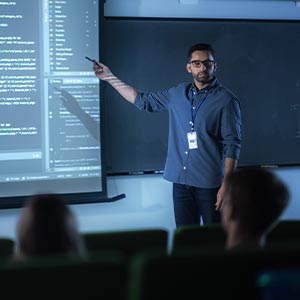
202 66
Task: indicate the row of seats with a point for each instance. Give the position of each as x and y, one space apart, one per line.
133 241
150 275
135 265
249 275
54 277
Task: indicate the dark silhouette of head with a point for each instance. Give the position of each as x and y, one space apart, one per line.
47 226
253 201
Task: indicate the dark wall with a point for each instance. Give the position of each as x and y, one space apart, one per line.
258 60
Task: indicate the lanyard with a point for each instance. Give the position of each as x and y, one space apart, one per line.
194 114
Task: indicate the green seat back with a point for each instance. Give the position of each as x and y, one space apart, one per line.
6 247
198 236
101 276
212 275
285 231
127 242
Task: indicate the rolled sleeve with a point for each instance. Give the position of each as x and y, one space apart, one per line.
152 101
231 129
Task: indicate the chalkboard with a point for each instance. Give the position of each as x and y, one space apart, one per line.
259 61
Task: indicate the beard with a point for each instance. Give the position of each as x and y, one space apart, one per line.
203 77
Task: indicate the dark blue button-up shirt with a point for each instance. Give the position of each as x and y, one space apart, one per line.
217 122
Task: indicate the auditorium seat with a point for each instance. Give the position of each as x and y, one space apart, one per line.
198 236
128 242
102 276
6 247
285 232
210 275
187 276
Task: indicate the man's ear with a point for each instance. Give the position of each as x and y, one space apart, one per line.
188 68
215 67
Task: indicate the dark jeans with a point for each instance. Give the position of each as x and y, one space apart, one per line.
191 204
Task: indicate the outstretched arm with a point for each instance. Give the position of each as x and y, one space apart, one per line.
104 73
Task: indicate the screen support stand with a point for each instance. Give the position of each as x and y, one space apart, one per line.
116 198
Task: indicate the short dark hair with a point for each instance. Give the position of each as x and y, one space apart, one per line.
258 198
200 47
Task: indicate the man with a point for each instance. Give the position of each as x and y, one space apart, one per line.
253 201
204 134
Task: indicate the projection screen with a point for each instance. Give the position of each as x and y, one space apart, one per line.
50 112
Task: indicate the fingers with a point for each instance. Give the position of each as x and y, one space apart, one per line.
98 67
218 203
102 71
98 64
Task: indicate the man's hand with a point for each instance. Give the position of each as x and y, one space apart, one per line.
220 196
102 71
230 166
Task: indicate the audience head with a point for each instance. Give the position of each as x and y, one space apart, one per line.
253 201
47 227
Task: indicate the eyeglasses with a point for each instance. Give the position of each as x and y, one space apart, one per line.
198 63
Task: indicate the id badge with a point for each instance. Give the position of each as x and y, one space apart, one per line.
192 140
